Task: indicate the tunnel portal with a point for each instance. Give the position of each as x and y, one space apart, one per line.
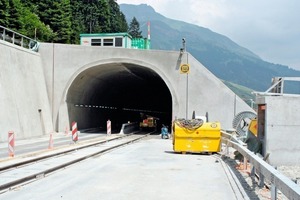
120 92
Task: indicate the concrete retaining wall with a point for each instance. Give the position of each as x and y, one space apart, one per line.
282 129
24 103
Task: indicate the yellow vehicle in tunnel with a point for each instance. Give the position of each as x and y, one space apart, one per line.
196 136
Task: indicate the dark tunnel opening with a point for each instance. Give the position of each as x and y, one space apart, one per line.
120 92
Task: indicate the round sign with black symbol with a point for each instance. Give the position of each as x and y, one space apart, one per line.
184 68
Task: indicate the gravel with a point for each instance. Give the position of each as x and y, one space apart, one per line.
250 183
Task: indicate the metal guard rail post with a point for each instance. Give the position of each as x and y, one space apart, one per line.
290 189
18 39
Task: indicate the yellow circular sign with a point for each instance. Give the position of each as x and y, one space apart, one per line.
184 68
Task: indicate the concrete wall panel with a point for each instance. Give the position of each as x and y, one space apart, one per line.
22 93
282 130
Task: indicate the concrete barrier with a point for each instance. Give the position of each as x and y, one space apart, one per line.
129 127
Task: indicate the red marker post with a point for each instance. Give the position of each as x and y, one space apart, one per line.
50 141
74 132
11 144
108 127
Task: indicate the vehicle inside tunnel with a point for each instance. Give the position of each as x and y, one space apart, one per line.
119 92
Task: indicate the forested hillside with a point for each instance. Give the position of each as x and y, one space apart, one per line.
61 21
223 57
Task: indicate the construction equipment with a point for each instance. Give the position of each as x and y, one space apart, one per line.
149 123
196 136
245 124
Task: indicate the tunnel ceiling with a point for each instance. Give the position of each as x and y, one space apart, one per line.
120 85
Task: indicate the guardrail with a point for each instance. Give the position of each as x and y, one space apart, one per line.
18 39
129 127
278 181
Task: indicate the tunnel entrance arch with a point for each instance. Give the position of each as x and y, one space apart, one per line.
120 92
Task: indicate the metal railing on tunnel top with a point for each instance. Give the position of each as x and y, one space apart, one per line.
278 181
18 39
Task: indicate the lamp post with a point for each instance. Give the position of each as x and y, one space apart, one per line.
187 81
184 69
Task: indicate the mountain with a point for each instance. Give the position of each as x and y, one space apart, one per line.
224 58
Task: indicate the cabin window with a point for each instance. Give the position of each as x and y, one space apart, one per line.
96 42
108 42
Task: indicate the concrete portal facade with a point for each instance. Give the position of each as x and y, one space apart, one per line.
44 86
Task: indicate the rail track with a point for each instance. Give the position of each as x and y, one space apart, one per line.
24 172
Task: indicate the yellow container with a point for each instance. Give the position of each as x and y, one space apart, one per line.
206 138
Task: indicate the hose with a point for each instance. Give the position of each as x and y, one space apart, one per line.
190 125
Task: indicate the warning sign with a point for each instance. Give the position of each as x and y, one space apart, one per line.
184 68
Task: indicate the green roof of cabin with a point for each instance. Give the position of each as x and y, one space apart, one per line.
104 35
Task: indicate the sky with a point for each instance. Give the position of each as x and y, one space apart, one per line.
268 28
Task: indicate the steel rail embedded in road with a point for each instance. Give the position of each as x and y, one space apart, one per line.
75 148
34 170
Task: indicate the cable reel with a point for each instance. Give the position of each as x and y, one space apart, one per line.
241 122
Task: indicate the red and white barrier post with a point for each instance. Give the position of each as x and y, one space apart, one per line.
108 127
50 141
74 132
67 130
11 144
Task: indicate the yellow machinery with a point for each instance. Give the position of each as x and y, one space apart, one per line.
149 122
196 136
253 127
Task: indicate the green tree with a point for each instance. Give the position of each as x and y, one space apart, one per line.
4 12
96 16
34 28
77 20
15 7
62 20
57 15
117 18
134 29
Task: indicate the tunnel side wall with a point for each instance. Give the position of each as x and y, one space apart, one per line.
22 94
206 93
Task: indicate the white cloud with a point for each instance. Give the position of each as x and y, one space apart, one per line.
269 28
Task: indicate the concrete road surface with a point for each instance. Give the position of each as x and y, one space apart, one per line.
147 170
